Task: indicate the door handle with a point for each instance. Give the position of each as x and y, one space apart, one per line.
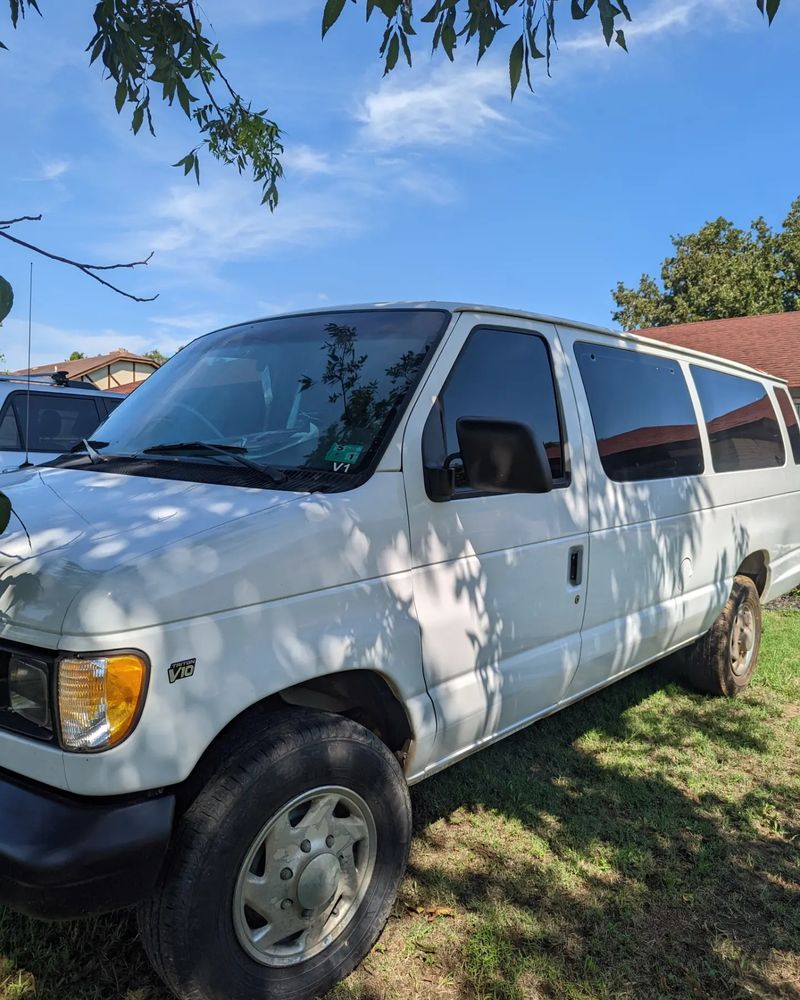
575 573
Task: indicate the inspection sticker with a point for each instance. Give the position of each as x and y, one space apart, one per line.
344 454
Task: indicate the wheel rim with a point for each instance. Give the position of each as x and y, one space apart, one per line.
304 876
743 640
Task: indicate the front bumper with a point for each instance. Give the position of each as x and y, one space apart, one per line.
63 857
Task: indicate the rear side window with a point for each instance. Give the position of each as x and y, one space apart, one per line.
642 414
742 426
109 405
789 411
9 435
56 422
503 375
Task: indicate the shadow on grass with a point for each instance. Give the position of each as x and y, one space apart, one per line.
577 872
623 884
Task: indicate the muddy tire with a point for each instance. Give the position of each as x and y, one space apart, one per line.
284 869
723 661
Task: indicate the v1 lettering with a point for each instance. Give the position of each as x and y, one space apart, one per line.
341 466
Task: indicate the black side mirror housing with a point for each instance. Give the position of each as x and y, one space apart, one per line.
502 456
440 484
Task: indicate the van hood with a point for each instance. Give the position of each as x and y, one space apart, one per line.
73 529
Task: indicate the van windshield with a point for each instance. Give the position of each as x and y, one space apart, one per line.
313 392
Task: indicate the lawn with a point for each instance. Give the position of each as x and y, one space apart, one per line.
642 844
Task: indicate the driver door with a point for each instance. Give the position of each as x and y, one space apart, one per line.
499 580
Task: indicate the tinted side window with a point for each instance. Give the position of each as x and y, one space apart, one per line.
108 405
642 414
502 375
742 426
57 422
9 434
789 412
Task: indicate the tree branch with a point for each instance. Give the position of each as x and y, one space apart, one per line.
88 269
6 223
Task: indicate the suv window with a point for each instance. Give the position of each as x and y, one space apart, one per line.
742 426
57 422
9 433
503 375
789 412
642 413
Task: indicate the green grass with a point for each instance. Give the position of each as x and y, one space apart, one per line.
643 844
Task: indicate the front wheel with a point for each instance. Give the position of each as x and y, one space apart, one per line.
284 869
723 661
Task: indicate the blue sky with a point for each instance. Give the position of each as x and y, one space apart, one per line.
429 184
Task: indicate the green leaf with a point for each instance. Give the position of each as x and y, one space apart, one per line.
333 8
515 64
620 39
5 512
6 298
138 118
119 97
772 9
578 13
393 53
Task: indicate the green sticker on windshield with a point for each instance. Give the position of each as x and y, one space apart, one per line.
344 454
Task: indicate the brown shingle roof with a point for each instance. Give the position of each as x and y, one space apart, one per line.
771 342
127 388
83 366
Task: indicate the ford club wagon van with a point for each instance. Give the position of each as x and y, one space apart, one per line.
317 558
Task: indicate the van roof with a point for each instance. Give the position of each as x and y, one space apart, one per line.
455 307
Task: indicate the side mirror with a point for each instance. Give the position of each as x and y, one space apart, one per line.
502 456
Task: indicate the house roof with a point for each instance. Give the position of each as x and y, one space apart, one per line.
84 366
127 388
771 342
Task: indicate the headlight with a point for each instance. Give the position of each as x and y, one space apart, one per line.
29 692
99 699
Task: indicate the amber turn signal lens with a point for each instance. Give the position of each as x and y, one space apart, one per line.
99 699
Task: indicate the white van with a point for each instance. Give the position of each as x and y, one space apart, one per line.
317 558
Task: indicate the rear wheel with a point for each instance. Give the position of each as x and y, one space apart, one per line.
724 660
283 871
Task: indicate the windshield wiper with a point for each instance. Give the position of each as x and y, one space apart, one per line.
234 451
90 447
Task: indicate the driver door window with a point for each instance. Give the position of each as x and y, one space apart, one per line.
503 375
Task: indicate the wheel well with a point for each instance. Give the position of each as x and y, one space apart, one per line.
361 695
756 566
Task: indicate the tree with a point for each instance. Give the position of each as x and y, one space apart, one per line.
718 272
144 45
156 356
76 356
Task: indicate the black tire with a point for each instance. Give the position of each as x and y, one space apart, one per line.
711 664
188 927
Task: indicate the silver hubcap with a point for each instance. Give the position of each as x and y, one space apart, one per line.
304 876
743 640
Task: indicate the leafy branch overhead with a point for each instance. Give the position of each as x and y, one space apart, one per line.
481 21
160 46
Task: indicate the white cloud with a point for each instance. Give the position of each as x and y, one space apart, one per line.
448 105
658 18
194 231
53 169
51 344
305 160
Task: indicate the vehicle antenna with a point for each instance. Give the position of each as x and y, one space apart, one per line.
26 464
